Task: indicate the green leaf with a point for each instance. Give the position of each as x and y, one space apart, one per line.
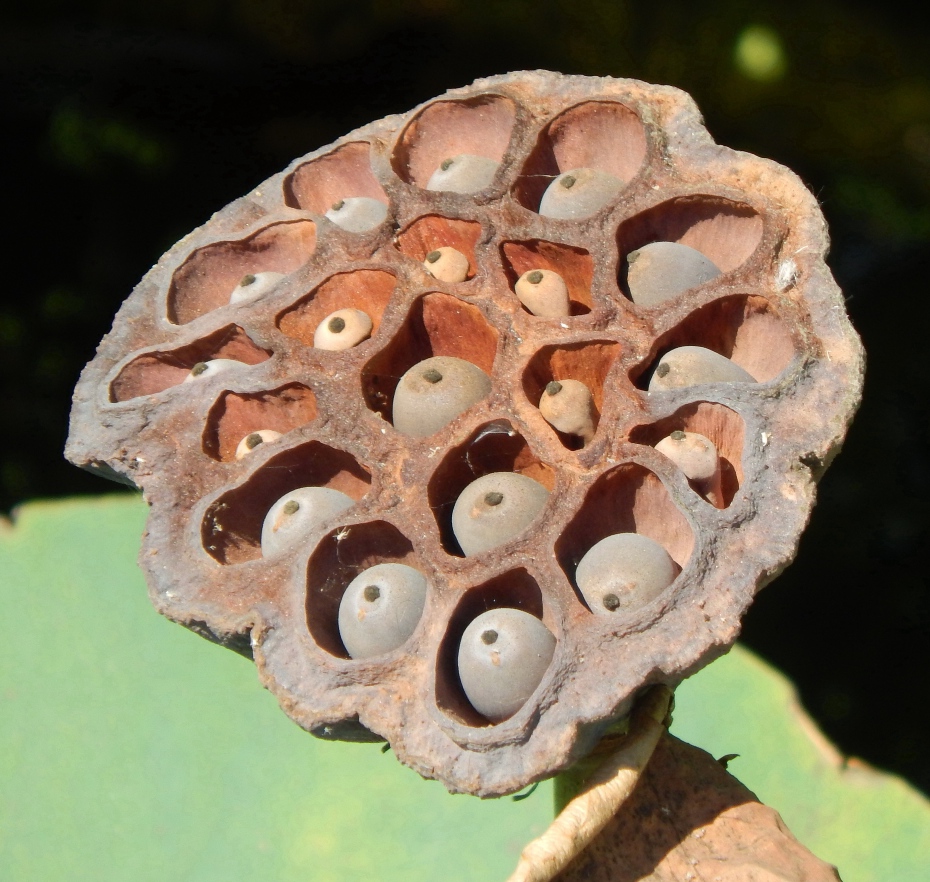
873 826
133 749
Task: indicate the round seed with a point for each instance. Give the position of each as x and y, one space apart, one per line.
543 293
255 439
254 285
357 214
569 406
503 656
381 608
662 270
297 515
465 173
494 509
691 365
342 330
623 572
579 193
447 264
434 392
203 370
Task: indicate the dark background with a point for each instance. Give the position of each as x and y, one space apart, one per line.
126 124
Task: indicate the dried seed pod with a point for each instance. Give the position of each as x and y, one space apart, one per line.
785 322
579 193
663 270
296 515
253 285
543 293
342 329
255 439
697 457
465 173
494 509
203 370
691 365
447 264
569 406
434 392
624 572
381 608
357 214
503 656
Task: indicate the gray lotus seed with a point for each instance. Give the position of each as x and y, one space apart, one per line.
623 572
296 515
381 608
579 193
691 365
342 330
255 439
203 370
543 293
663 270
503 656
447 264
254 285
494 509
357 214
465 173
434 392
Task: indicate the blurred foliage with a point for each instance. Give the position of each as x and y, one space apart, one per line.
139 751
132 122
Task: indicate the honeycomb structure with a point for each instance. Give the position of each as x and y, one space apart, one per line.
142 416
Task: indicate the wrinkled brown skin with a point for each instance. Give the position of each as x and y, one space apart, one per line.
775 310
689 819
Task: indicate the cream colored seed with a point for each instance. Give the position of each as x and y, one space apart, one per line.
342 329
697 457
253 285
203 370
544 293
255 439
569 406
447 264
357 214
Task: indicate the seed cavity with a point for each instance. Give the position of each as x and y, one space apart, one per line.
488 637
535 277
253 440
199 368
337 324
433 256
372 593
246 280
553 388
568 181
493 498
611 601
292 506
432 376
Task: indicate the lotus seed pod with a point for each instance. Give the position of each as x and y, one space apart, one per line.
624 572
503 656
697 457
494 509
203 370
447 264
784 321
692 365
465 173
292 519
357 214
579 193
253 285
434 392
569 406
543 293
255 439
381 608
342 329
663 270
